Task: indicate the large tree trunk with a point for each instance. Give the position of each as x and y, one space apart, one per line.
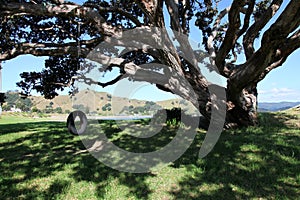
242 108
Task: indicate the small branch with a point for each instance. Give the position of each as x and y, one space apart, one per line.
69 84
58 2
115 9
90 81
174 15
148 9
234 57
46 49
184 17
118 78
248 14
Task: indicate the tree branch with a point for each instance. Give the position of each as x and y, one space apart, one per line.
231 34
291 44
117 10
90 81
174 15
210 40
248 14
167 77
254 30
65 10
274 38
152 10
185 17
46 49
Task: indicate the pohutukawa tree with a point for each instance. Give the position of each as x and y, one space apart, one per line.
58 28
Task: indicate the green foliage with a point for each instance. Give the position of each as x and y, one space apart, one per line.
149 108
5 107
11 98
109 96
42 114
34 109
58 110
57 70
106 107
14 99
173 116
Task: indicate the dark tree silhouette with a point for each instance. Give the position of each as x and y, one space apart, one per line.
56 28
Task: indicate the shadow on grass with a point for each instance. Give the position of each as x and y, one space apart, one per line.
43 149
255 162
260 162
33 150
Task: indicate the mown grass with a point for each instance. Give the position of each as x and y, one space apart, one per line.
40 160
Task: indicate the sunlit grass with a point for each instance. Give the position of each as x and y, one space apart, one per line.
13 118
41 160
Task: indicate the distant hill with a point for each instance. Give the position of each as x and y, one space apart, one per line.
101 103
273 107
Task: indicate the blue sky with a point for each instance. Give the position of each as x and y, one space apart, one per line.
281 84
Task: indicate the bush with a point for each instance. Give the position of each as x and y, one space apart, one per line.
173 115
6 107
58 110
35 109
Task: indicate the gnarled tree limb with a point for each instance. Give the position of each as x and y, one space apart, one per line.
255 28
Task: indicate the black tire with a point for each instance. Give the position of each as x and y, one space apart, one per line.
71 122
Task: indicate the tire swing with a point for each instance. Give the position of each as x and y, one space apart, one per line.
71 122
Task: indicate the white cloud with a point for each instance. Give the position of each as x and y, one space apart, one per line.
278 94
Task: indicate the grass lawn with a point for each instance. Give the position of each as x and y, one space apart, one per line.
41 160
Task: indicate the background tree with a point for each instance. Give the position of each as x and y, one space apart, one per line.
28 104
6 107
58 110
57 28
35 109
13 98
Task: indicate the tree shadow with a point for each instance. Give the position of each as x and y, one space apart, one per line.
43 150
93 170
255 162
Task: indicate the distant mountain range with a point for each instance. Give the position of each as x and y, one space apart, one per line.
273 107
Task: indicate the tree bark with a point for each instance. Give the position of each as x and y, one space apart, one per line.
242 108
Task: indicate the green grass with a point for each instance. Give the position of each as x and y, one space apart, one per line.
16 118
40 160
